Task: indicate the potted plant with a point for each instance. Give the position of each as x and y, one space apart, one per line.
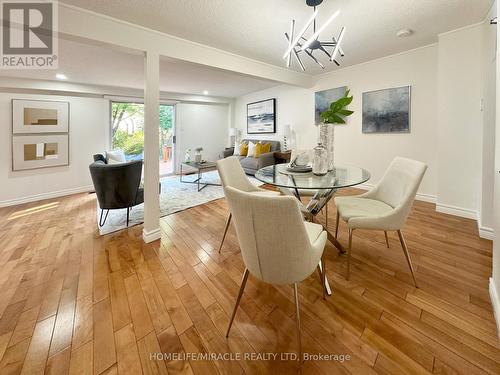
336 114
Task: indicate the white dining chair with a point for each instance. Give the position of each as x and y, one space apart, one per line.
277 245
386 206
232 174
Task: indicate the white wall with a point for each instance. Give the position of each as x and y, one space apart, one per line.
295 106
489 61
201 125
495 280
459 120
89 122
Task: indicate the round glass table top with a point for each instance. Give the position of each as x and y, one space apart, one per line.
340 177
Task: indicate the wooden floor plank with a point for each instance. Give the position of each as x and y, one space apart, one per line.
104 340
138 309
38 350
126 352
82 360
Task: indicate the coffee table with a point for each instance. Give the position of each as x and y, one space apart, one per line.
200 168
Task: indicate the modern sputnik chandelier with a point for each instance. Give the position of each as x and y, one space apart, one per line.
298 44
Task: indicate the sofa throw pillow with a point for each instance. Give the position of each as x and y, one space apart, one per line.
116 156
262 148
251 149
243 149
236 151
112 161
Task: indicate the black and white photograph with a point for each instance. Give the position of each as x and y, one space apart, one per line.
261 117
387 111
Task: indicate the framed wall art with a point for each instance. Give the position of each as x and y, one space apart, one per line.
39 151
40 134
323 99
261 117
39 116
387 111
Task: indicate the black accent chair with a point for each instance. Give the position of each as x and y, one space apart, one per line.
117 186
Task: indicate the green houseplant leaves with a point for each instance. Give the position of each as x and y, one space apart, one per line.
338 112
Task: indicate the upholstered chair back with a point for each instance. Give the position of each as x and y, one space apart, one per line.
117 185
399 185
272 237
232 174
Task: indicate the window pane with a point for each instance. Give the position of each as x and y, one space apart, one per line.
128 129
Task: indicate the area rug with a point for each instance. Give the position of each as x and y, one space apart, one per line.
175 196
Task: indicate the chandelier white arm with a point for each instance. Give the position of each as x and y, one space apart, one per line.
337 47
299 35
292 30
316 34
294 52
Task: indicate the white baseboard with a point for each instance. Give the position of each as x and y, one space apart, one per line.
485 232
456 211
495 302
151 236
426 198
419 197
39 197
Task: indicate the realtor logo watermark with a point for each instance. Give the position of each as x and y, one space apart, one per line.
29 34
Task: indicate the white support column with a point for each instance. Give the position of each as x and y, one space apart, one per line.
151 231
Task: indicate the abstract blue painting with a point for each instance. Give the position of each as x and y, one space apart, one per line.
387 111
323 99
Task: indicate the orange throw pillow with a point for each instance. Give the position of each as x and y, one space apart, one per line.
243 149
262 148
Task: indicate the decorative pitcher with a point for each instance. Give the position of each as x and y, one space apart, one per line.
320 161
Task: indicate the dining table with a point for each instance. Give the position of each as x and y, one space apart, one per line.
321 188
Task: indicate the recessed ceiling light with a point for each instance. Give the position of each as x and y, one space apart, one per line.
404 33
205 92
61 76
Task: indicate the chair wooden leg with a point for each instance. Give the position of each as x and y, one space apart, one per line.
337 225
326 214
297 313
407 255
225 231
386 239
349 254
323 276
240 293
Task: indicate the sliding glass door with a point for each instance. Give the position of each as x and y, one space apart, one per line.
127 133
167 139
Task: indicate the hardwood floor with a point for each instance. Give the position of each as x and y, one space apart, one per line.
74 302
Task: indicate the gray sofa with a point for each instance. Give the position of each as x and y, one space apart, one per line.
250 164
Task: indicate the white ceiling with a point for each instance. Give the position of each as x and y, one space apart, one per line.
255 28
91 64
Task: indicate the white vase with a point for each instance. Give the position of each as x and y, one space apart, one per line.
326 137
197 157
